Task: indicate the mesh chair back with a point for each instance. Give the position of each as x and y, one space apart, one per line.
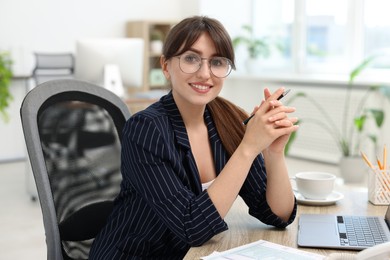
73 135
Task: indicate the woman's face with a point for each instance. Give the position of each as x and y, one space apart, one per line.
200 87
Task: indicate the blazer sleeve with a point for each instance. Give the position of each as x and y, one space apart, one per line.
149 167
253 193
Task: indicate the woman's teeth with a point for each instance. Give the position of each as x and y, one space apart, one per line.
201 87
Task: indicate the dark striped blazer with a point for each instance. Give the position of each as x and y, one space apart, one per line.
161 210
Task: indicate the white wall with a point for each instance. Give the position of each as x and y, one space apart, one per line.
54 25
12 142
233 14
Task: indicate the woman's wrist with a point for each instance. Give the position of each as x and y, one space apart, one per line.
272 155
246 152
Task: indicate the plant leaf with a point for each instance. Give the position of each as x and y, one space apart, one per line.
345 147
5 79
294 97
378 115
359 68
372 138
359 122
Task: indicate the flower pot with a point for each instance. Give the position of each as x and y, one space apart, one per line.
353 169
156 46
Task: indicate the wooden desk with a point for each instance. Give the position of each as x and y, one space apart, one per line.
137 104
244 229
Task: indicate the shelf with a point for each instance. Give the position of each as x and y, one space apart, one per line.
144 29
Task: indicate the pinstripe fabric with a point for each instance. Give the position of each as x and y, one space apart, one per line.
161 210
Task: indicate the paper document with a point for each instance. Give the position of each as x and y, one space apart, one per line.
263 250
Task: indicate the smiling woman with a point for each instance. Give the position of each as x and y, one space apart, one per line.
192 137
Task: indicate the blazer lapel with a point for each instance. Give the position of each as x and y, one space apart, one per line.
177 121
219 152
182 139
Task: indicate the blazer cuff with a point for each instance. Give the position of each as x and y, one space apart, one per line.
211 214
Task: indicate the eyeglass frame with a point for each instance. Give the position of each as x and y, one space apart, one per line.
208 62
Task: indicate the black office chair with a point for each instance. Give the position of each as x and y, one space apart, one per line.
73 133
48 66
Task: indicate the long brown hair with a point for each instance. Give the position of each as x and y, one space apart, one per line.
227 116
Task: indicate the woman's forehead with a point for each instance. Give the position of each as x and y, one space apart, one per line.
204 44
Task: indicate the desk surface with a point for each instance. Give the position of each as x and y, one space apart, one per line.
244 229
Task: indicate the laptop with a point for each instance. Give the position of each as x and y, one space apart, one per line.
343 231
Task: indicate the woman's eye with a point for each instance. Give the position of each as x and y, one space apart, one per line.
191 58
217 62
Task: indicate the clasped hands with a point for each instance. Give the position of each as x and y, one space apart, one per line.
270 126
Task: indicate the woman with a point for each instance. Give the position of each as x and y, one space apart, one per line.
187 157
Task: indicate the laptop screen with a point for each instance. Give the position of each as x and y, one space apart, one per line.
387 217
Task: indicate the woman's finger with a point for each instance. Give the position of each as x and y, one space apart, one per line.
276 94
280 113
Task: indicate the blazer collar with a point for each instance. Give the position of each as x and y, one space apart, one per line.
182 136
178 124
177 121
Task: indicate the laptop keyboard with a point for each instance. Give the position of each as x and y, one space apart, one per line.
360 231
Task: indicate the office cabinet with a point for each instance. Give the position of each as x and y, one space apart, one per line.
151 32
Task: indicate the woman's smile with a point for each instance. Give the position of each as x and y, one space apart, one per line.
201 88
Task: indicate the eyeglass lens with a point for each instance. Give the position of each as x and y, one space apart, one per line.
191 63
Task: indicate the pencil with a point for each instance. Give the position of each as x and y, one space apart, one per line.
245 122
367 161
380 166
384 158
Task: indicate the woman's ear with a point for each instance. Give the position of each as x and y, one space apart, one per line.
164 66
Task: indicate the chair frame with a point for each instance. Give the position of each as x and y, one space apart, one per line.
65 89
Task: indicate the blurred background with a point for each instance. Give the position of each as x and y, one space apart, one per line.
334 55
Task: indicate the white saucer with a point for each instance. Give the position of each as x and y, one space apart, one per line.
331 199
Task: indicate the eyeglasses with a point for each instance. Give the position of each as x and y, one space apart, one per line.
190 63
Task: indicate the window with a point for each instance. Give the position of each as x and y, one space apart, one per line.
326 38
377 31
275 20
323 36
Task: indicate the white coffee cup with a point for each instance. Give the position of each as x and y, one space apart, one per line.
315 185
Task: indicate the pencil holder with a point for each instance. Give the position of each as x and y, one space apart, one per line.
379 187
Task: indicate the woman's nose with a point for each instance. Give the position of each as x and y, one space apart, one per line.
204 70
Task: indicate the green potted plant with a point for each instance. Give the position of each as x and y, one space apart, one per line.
349 138
257 48
5 79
